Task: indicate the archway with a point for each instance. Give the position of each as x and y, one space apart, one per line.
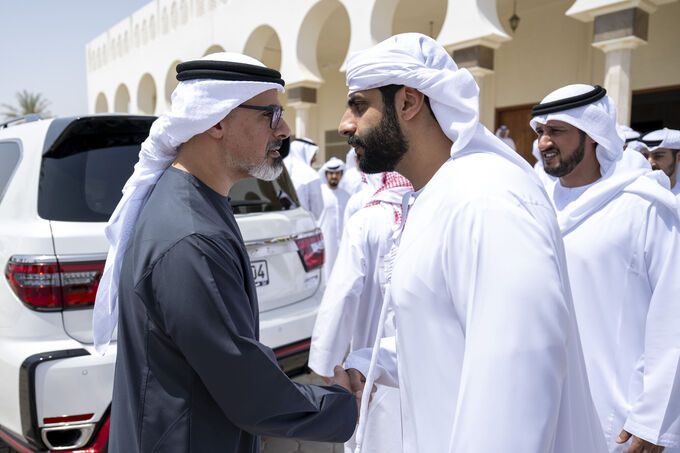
213 49
423 16
331 50
264 45
171 83
121 101
101 105
146 95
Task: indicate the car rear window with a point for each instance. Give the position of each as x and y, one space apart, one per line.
87 161
86 186
254 195
9 158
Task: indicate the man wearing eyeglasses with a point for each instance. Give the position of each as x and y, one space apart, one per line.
191 375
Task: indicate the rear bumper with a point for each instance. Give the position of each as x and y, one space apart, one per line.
291 324
61 397
97 445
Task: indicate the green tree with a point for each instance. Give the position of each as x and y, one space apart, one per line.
27 102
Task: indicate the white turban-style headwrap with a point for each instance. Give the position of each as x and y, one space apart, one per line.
197 105
627 133
636 145
333 164
596 119
419 62
662 138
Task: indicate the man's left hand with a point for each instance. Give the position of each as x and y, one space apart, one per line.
637 445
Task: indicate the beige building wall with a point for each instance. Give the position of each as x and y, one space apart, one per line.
657 64
131 66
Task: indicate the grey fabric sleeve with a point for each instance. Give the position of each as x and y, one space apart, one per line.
199 287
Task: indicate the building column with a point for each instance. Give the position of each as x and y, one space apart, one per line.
617 82
302 98
617 34
620 26
478 60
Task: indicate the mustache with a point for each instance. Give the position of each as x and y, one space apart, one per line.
355 141
552 148
274 144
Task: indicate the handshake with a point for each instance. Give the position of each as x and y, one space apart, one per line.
351 380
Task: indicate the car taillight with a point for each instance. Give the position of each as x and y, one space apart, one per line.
48 284
311 250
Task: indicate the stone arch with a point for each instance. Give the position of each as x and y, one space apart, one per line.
310 31
183 12
152 27
213 49
100 104
165 19
264 45
121 100
333 43
423 16
146 95
171 82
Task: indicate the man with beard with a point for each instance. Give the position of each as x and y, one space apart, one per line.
331 220
486 353
620 229
191 375
662 153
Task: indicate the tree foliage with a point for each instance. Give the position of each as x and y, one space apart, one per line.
27 102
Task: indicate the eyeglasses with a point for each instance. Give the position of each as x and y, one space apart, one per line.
276 111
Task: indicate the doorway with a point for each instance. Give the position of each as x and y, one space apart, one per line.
655 109
517 119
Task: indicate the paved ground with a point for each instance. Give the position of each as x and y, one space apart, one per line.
271 445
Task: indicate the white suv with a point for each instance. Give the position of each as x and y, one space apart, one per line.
60 180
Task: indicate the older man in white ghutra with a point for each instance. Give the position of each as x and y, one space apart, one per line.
622 238
191 375
487 355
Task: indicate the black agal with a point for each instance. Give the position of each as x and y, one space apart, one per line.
227 70
569 103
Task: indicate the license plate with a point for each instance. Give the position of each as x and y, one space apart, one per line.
260 272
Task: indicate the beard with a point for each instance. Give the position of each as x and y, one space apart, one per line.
384 145
265 170
567 165
670 170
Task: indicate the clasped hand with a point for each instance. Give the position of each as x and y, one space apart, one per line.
353 381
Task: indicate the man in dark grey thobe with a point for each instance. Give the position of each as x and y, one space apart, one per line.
191 375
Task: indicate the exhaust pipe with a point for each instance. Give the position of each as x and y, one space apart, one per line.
67 437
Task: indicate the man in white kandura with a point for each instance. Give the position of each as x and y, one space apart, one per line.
487 356
305 179
622 238
662 153
351 181
350 309
504 134
332 217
